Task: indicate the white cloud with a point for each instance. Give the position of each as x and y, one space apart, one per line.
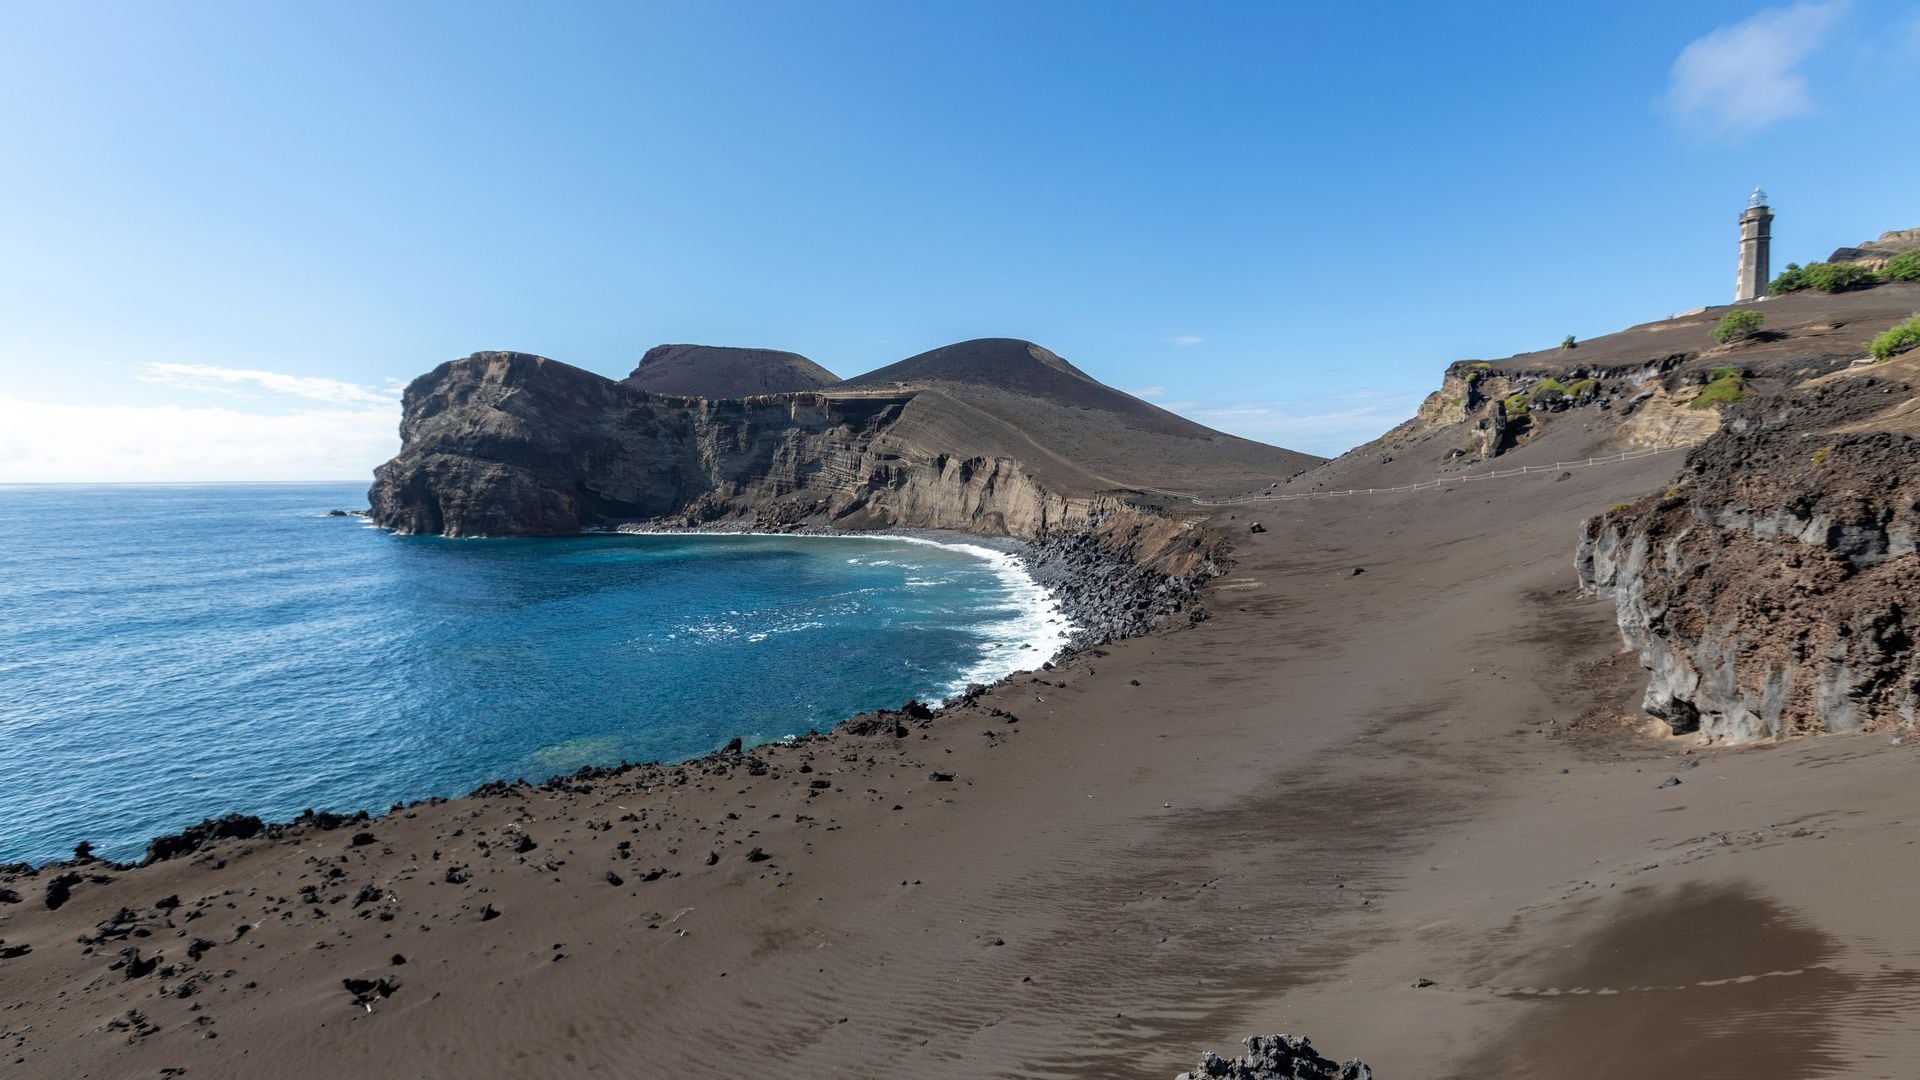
46 443
225 380
1183 341
1745 76
1149 392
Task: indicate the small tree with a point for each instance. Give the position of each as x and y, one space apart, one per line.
1738 326
1827 277
1902 337
1569 343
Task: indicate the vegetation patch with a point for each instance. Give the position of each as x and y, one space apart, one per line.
1738 326
1902 337
1568 342
1516 405
1826 277
1820 456
1902 267
1583 388
1619 508
1726 388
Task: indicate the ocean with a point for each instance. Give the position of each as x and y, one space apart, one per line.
170 652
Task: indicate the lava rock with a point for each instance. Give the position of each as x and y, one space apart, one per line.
367 991
1278 1057
193 838
60 890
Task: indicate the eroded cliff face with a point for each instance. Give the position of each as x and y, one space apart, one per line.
504 444
1773 590
1491 408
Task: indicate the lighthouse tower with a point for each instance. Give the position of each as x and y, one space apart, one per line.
1756 236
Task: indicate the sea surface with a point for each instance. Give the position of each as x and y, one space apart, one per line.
173 652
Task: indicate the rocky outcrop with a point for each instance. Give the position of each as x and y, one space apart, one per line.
1495 407
1874 254
1277 1057
1636 388
512 444
1773 591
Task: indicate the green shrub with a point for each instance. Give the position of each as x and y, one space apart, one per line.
1569 343
1618 507
1725 373
1827 277
1820 456
1902 337
1583 388
1738 326
1515 404
1726 388
1902 267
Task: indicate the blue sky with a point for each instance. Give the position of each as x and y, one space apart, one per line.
229 232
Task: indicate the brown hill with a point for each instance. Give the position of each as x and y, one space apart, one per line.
716 371
1006 396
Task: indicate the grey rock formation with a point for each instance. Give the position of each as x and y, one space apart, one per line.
1773 590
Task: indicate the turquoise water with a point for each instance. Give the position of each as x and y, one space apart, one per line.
171 652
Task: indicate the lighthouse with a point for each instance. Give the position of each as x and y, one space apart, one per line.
1756 236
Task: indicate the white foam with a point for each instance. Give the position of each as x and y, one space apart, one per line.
1036 633
1032 636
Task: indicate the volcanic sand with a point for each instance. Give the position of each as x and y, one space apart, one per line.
1285 818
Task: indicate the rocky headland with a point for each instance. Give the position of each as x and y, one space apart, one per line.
997 436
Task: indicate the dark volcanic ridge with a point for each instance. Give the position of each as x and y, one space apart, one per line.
714 371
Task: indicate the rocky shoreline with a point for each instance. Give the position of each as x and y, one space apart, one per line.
1106 595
